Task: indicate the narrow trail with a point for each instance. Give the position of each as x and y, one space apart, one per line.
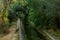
12 35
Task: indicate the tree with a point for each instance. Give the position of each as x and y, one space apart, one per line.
43 12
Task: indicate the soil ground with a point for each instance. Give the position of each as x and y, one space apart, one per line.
12 35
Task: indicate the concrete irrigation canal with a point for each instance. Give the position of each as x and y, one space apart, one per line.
33 34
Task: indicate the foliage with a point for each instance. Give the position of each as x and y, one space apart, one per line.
43 12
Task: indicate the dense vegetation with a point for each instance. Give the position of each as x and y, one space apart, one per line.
41 14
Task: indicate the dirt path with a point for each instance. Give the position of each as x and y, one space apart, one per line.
12 35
